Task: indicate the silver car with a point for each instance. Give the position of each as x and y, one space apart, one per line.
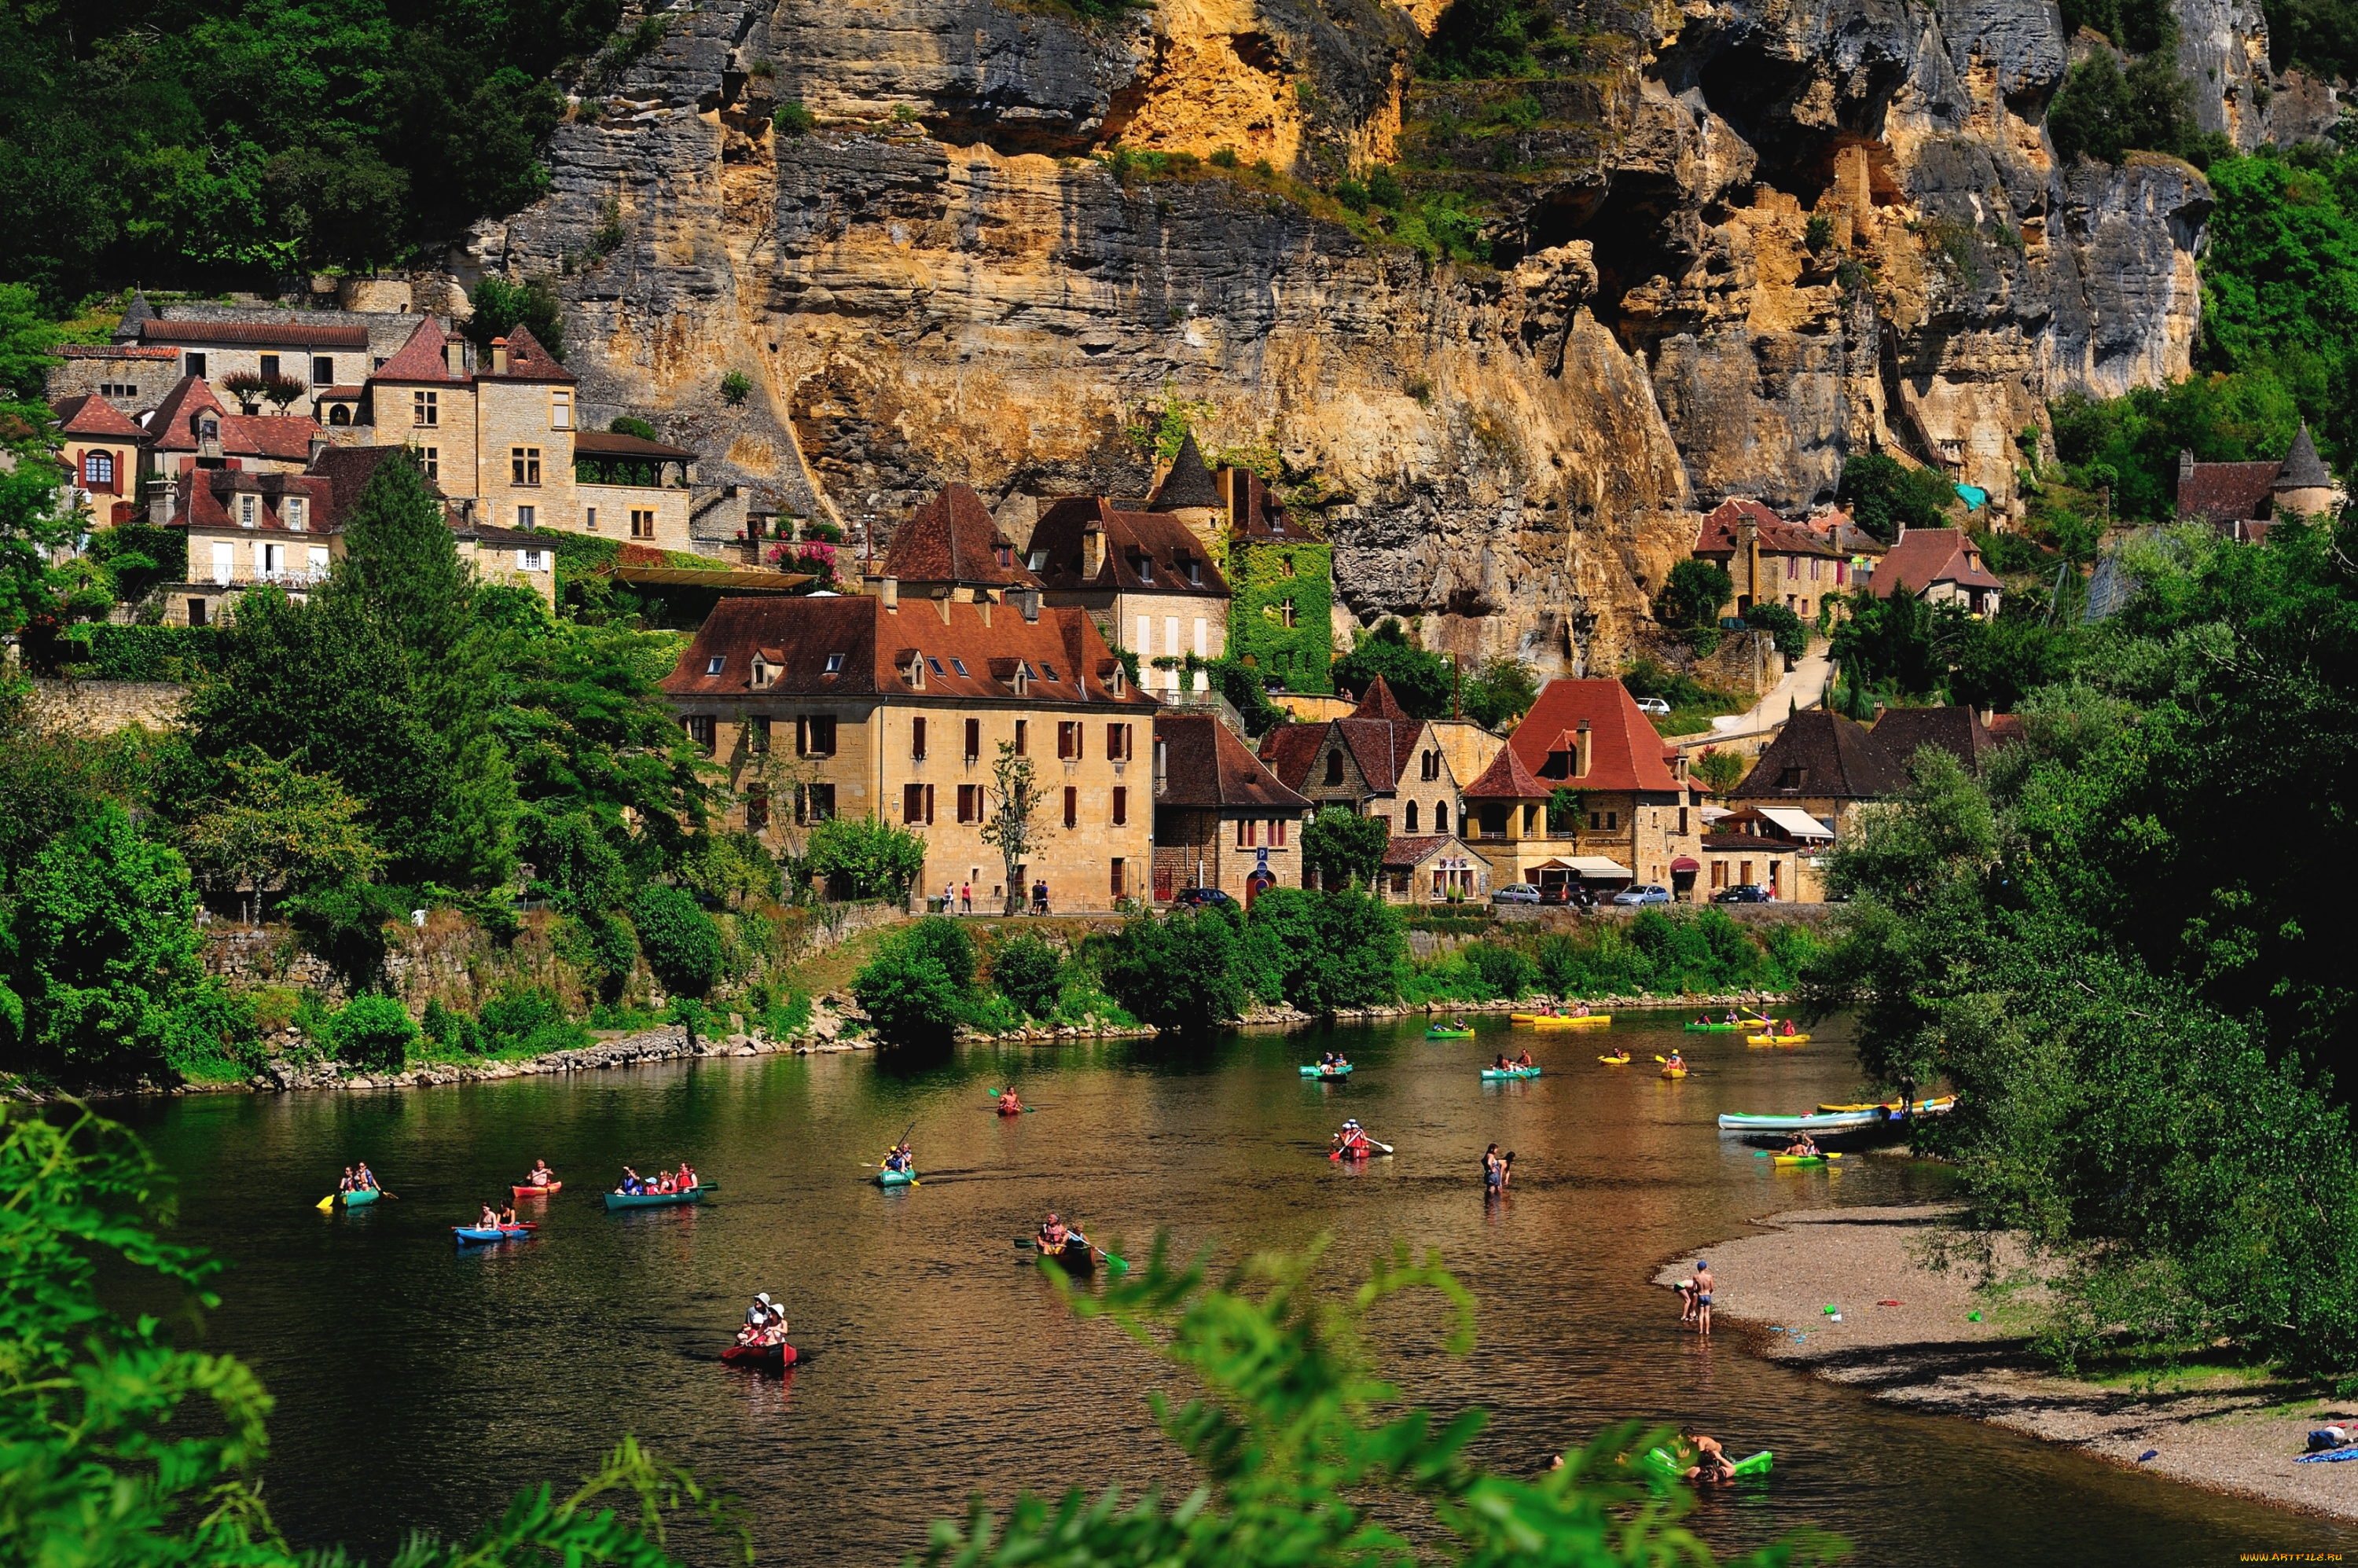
1654 894
1516 892
1654 706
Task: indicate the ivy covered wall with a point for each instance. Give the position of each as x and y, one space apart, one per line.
1265 577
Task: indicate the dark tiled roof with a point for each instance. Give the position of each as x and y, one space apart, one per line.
1404 853
1721 532
877 645
1837 759
285 437
421 358
528 361
1731 843
135 315
1926 555
1379 703
1956 730
118 351
952 538
1290 748
2303 468
347 470
1189 482
613 444
1624 750
171 424
1255 516
1166 543
203 499
89 415
1203 764
1375 746
2222 492
255 334
1507 779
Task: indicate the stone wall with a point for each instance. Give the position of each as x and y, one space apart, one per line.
103 707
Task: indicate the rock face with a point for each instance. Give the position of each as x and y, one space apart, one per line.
1740 242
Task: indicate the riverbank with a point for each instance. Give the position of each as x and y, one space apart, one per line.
2229 1432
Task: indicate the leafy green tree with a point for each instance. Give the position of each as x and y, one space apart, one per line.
501 307
1883 496
105 946
32 529
1722 770
1897 647
1422 681
1175 971
682 945
1015 828
2000 662
1342 847
1695 593
1507 974
2128 447
1784 628
2105 113
372 1032
277 828
1029 972
731 867
866 857
1500 693
1360 949
1278 957
913 987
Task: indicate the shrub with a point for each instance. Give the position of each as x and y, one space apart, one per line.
529 1020
1506 973
1224 158
1343 847
1351 194
1359 946
211 1035
1029 972
1384 187
372 1032
1722 770
735 388
1791 637
629 425
1694 592
1177 971
913 989
682 945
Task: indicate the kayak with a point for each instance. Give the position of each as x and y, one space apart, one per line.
529 1191
1804 1158
1555 1020
359 1199
1669 1468
896 1178
1438 1032
467 1233
1776 1040
1921 1107
1842 1122
1670 1071
1621 1061
770 1358
1077 1257
1342 1072
1723 1028
655 1200
1497 1073
1360 1152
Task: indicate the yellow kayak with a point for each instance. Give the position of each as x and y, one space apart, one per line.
1935 1106
1553 1020
1776 1040
1674 1072
1621 1061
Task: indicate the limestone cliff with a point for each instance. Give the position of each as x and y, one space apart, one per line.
1739 242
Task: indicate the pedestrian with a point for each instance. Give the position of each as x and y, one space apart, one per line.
1702 1298
966 898
1494 1170
1040 896
949 898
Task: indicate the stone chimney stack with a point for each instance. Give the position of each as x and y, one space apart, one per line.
1092 551
499 356
888 591
454 355
1580 750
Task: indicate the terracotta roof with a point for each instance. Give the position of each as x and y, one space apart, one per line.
952 538
1624 750
1745 843
1166 546
170 426
1721 532
1255 516
203 499
528 361
613 444
2303 468
1069 662
89 416
1408 852
1379 703
421 358
1927 556
1203 764
1956 730
2005 727
1290 748
1825 756
347 470
1189 482
258 334
285 437
1507 779
1377 745
351 394
117 351
2224 492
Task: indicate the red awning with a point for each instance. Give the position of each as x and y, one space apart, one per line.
1685 863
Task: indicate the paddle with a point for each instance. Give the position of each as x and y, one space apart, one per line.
1119 1265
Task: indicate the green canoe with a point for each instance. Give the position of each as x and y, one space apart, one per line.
1438 1032
655 1200
1663 1464
359 1199
896 1178
1494 1074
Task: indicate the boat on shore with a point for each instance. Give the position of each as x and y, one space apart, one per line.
1835 1121
1921 1107
657 1200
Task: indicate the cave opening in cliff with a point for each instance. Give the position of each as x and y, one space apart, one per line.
1781 107
1629 233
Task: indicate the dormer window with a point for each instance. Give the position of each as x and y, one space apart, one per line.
917 671
835 663
1195 573
1048 669
247 509
1006 555
296 508
713 666
1039 560
1023 677
1145 568
1114 683
762 674
208 429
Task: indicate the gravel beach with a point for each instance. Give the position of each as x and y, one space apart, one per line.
1773 1287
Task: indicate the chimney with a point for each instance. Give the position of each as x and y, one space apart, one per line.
888 590
159 506
1092 551
1580 750
2185 467
454 356
1028 601
1162 764
318 445
499 356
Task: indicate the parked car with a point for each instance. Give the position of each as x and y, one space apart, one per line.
1743 893
1204 898
1652 893
1571 893
1516 892
1654 706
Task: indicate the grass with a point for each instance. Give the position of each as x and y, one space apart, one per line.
1695 718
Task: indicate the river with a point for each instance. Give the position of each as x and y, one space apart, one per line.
419 1387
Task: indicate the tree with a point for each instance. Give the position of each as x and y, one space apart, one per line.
1342 847
105 939
2104 112
501 307
729 868
1897 647
1722 770
913 987
1501 692
865 857
682 945
277 828
32 529
1421 681
1029 972
1696 593
1012 828
372 1032
1784 628
1883 496
1360 949
1175 971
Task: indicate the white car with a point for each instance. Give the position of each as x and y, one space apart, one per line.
1516 892
1653 895
1654 706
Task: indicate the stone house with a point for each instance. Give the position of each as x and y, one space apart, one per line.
1772 561
1434 868
1147 578
1638 818
951 548
1942 565
149 352
247 529
1281 576
1221 820
877 705
1825 766
189 428
1778 847
2242 500
1378 762
100 446
1959 731
636 490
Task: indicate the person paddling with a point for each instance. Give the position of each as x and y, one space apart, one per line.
507 1217
1053 1234
1525 1059
901 1158
366 1179
1802 1145
1352 1141
1674 1061
541 1175
1010 1102
688 1179
349 1183
488 1219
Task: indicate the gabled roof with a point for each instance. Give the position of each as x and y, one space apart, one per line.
284 437
1290 748
171 424
1203 764
1927 556
2224 492
347 470
2303 469
1507 779
1069 663
204 498
94 418
1956 730
1164 544
1827 756
1409 852
528 361
254 334
1625 753
1375 746
1379 702
1189 482
1721 532
1257 517
421 358
952 538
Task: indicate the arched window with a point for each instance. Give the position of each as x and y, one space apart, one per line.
1441 816
341 414
1408 819
97 470
1334 767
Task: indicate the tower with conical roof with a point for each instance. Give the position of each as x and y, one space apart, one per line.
135 314
2303 487
1188 493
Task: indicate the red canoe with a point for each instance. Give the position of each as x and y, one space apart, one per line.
772 1357
532 1191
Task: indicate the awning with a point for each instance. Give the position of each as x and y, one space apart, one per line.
1552 866
1598 866
1685 865
1799 824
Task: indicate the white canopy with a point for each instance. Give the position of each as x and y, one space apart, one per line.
1598 866
1799 824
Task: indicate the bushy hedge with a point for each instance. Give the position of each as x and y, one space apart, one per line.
372 1032
915 990
1316 951
140 653
1658 951
682 945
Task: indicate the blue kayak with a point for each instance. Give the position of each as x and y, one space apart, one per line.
1342 1072
465 1234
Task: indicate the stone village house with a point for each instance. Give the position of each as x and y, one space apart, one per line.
1221 820
1639 819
